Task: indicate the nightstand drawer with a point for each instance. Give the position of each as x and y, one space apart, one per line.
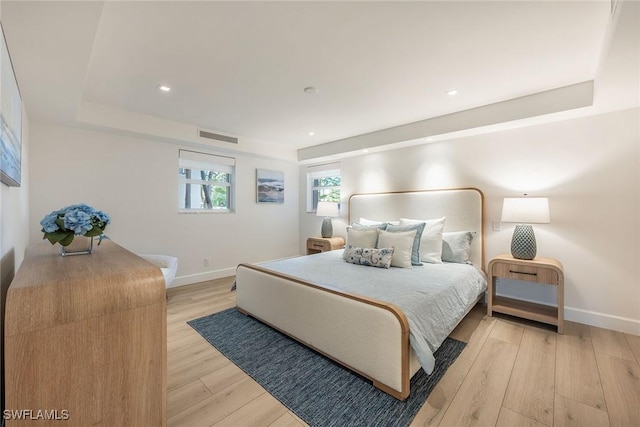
525 272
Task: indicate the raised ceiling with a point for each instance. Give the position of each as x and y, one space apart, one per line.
240 67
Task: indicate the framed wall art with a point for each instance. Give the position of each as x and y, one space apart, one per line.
269 186
11 121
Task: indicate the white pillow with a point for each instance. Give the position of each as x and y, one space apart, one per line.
363 238
401 243
365 221
431 241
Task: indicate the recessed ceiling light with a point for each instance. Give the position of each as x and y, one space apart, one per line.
452 92
310 90
365 151
164 88
311 133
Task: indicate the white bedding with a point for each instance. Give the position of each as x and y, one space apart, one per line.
434 297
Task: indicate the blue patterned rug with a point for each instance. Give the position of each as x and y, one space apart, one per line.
315 388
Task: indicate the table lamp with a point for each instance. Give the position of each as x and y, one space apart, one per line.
525 211
327 210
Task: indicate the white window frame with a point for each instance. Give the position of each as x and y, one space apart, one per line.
317 172
188 159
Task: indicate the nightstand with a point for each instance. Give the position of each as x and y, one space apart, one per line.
322 244
546 271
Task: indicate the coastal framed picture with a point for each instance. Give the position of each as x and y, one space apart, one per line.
269 186
11 121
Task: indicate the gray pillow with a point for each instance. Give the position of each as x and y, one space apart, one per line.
456 246
358 226
415 249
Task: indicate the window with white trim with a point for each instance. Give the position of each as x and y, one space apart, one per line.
206 182
323 184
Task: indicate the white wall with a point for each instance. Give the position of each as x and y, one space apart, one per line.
136 182
589 169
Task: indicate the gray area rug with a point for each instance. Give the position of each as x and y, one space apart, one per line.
318 390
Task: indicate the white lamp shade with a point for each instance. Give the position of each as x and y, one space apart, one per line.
327 209
526 210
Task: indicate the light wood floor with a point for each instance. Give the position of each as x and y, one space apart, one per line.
512 373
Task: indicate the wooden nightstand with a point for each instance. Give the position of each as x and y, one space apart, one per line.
539 270
321 244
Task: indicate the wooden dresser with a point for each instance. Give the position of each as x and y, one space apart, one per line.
85 340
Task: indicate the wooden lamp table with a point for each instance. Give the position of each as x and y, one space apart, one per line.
316 245
546 271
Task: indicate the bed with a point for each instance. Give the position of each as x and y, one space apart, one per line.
352 314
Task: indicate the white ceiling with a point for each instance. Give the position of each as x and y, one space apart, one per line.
240 67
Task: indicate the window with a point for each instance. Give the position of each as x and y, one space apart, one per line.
323 184
206 182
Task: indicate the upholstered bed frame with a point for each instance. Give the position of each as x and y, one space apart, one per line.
367 336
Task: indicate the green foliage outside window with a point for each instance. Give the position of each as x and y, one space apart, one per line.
214 196
326 189
211 196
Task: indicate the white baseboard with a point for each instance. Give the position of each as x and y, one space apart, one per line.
190 279
601 320
202 277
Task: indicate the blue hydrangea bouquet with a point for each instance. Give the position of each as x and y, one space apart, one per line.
63 225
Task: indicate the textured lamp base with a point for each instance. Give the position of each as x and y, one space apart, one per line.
327 228
523 242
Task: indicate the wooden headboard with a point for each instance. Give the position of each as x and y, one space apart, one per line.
463 208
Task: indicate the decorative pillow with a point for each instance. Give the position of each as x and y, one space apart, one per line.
360 226
372 257
415 249
365 238
401 242
456 246
431 240
365 221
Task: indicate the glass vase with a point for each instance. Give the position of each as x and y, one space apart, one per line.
80 245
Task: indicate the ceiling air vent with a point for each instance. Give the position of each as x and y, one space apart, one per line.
217 136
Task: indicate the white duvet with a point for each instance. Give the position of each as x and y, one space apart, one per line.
434 297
